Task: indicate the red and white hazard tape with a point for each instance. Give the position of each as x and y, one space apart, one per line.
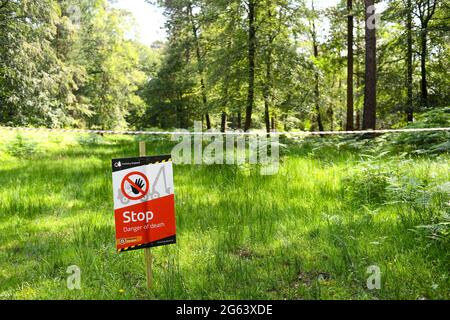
181 133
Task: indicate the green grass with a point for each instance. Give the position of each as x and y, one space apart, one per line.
309 232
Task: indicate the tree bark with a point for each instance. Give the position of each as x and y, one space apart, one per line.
359 50
370 91
267 87
223 126
426 9
239 120
423 66
267 90
200 68
409 63
358 120
251 63
316 75
208 121
350 99
226 84
317 104
331 116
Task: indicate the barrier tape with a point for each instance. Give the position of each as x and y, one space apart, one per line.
296 133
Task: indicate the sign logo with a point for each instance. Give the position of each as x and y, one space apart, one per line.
135 186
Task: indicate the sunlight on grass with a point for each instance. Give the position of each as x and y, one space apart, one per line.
309 232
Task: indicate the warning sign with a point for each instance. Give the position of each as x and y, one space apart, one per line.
144 202
137 186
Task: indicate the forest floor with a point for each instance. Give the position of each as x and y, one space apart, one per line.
309 232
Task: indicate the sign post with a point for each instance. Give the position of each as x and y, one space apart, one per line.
144 204
147 251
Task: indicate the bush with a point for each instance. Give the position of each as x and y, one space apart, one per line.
21 147
409 190
439 228
439 231
90 139
424 142
367 185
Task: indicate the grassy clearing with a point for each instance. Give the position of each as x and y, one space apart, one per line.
309 232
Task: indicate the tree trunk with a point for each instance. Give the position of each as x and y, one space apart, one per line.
226 97
331 116
317 105
208 121
359 76
180 113
223 126
267 114
239 120
350 102
423 66
370 91
358 120
200 67
251 63
427 9
409 64
267 90
316 76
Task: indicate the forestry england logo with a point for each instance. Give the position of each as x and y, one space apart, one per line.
230 148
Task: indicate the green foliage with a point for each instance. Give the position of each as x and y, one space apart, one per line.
439 227
112 65
424 142
29 68
286 67
439 231
401 144
368 183
21 147
69 64
90 139
289 236
383 180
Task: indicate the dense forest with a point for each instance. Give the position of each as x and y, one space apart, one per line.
254 64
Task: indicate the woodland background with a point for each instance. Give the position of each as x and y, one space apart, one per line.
278 64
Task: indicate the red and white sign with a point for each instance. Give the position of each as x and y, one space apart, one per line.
144 202
137 189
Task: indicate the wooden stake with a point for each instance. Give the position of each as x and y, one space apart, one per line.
147 251
148 266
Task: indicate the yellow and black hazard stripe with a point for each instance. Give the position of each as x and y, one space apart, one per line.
131 248
158 159
162 161
162 242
